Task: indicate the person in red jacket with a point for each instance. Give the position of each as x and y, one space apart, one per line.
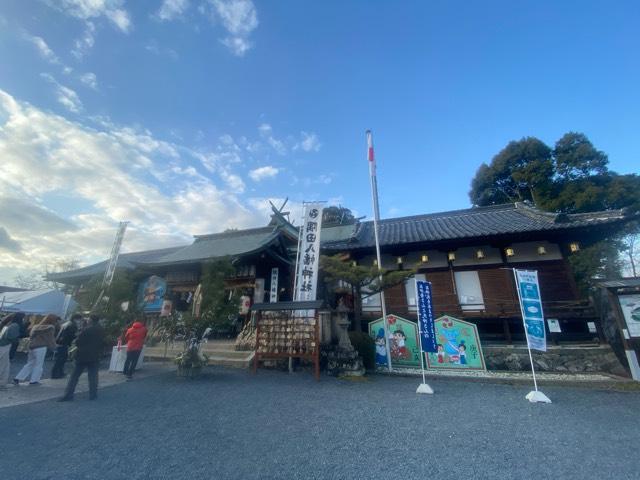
135 341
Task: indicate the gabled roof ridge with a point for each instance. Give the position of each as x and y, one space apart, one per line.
447 214
146 252
234 233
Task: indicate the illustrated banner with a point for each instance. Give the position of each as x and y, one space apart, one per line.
307 274
531 306
458 346
151 294
404 343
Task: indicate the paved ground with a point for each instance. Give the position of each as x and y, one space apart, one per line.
231 424
53 389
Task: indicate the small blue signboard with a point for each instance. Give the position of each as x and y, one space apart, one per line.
425 317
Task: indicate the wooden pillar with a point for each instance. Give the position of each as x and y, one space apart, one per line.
507 331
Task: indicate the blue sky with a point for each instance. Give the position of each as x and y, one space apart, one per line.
186 116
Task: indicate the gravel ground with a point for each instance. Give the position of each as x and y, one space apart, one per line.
232 424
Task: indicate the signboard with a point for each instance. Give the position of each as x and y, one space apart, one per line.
307 274
151 294
630 306
425 316
554 325
458 346
273 290
531 307
404 343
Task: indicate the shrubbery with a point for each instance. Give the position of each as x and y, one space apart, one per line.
366 348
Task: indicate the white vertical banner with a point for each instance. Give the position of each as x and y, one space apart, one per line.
531 307
533 319
273 291
309 254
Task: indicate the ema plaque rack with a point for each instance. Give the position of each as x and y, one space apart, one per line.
288 330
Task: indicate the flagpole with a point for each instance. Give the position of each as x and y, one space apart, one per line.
376 219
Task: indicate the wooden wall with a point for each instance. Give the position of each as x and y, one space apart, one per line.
498 290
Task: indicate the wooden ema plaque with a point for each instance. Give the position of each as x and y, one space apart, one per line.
284 334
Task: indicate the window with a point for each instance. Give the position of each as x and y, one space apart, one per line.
371 303
410 290
469 290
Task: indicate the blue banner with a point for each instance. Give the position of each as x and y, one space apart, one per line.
531 304
426 321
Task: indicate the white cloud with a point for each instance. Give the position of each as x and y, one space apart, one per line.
263 172
154 48
111 173
85 43
67 97
240 19
42 47
238 45
266 132
90 80
309 142
88 9
90 12
171 9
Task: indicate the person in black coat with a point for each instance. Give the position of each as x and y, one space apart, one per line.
65 338
90 345
20 320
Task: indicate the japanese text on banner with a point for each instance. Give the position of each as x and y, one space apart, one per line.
310 252
425 317
273 290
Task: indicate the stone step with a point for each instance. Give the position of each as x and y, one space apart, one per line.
172 352
228 358
231 362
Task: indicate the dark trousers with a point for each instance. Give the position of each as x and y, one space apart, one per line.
60 358
14 349
92 373
131 362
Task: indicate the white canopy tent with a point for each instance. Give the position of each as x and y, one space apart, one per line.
38 302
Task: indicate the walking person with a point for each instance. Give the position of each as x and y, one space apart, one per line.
41 338
135 342
9 332
65 338
22 325
90 346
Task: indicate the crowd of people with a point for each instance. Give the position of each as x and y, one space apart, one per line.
80 337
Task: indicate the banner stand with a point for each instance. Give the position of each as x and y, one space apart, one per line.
534 396
424 309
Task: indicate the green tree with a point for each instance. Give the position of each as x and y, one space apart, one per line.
337 215
521 171
219 304
359 279
122 290
573 177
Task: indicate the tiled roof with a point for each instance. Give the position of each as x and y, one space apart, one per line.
469 223
125 260
236 242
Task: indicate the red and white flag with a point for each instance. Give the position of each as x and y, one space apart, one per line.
370 147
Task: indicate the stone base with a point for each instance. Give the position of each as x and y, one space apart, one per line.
342 362
564 359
